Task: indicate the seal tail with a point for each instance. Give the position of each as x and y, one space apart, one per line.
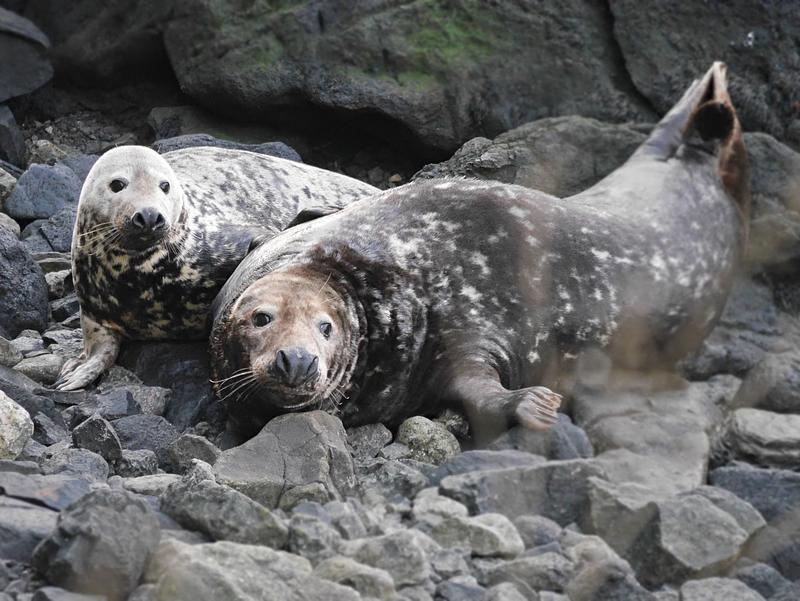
706 110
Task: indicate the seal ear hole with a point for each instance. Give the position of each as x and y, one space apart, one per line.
164 187
326 328
117 185
262 319
714 121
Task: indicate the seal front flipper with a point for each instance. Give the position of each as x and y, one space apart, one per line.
100 350
492 408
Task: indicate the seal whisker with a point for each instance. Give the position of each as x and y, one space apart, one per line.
241 385
234 381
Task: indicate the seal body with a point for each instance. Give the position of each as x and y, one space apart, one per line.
476 293
157 236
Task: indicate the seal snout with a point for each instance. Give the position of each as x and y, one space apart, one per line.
295 366
149 220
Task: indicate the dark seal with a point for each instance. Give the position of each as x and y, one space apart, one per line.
157 236
479 293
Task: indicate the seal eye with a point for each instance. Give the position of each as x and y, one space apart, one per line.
261 319
325 328
164 187
117 185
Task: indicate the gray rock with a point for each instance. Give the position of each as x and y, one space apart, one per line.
293 450
460 589
222 513
395 451
43 191
400 553
54 233
773 385
77 462
549 572
30 67
429 441
16 428
54 491
485 535
366 441
186 447
481 460
22 526
346 519
63 308
133 464
150 486
564 440
763 579
606 580
152 400
12 141
20 466
53 593
42 368
153 432
558 490
183 572
275 149
428 54
718 589
536 530
6 222
100 544
430 509
766 438
372 583
449 563
505 591
787 593
59 284
312 537
98 435
389 478
23 290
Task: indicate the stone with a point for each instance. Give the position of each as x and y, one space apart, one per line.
772 385
203 572
766 438
430 509
22 526
186 447
312 537
152 432
153 485
151 400
23 290
54 233
133 464
482 460
536 530
64 308
394 451
20 466
505 591
53 593
407 74
55 491
98 435
718 589
78 462
7 183
763 579
372 583
606 580
460 589
402 554
429 441
549 571
564 440
389 478
8 224
16 428
43 191
222 513
100 545
276 149
30 67
112 405
366 441
558 490
12 141
485 535
42 368
293 450
59 284
346 519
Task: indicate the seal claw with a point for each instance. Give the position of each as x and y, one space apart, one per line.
539 411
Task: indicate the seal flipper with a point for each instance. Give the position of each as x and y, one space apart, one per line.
100 350
311 214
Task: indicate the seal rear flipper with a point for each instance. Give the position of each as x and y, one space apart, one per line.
311 214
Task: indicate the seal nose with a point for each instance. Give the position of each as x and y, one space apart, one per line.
295 366
148 219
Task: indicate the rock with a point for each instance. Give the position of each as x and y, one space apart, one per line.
536 530
549 571
23 290
486 535
400 553
100 544
430 509
52 234
312 537
43 191
607 580
558 490
42 368
460 589
564 440
150 486
718 589
53 593
428 441
12 141
293 450
55 491
505 591
29 69
153 432
22 526
346 519
6 222
98 435
773 385
766 438
222 513
78 462
133 464
184 572
111 405
481 460
662 58
276 149
366 441
788 593
421 62
371 583
52 261
186 447
763 579
560 155
64 308
59 284
151 400
20 466
389 478
16 428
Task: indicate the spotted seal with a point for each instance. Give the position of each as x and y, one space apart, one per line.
477 292
157 236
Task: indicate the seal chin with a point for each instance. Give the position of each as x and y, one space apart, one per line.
137 241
